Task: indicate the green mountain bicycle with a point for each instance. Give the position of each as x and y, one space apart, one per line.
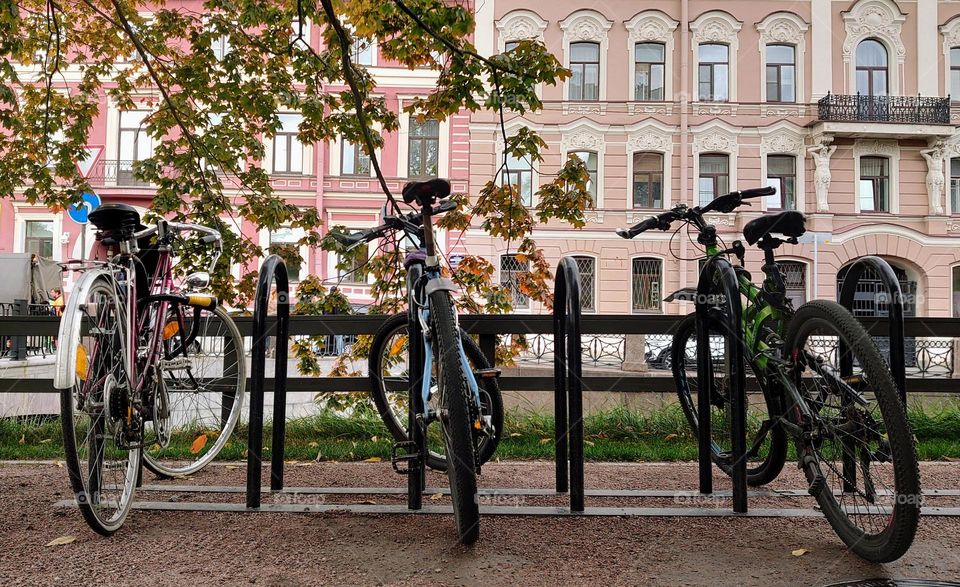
825 385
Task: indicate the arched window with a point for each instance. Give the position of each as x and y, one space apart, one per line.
646 276
870 299
872 74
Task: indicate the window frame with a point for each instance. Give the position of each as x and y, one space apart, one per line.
514 176
587 303
712 65
953 68
650 64
649 181
594 188
779 67
780 178
423 140
288 137
573 67
714 176
355 275
954 187
659 279
508 280
870 69
876 181
357 158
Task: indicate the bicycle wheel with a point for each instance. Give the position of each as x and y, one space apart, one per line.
458 416
98 420
202 392
389 381
859 456
771 454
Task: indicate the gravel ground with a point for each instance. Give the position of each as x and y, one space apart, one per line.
176 548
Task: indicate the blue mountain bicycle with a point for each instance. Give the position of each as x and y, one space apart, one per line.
444 385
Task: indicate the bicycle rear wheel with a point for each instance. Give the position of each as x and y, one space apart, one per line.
202 391
389 375
458 417
859 456
98 419
771 455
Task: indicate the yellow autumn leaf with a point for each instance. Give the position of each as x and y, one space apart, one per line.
61 540
436 496
23 439
799 552
514 434
545 440
198 443
670 437
373 460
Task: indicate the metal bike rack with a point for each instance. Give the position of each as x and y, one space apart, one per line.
273 270
568 391
731 292
855 272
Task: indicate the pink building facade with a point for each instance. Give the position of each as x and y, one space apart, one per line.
334 177
843 106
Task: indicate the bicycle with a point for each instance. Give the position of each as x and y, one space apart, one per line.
824 383
446 387
142 379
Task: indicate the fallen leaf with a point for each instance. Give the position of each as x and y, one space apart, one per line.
46 440
233 467
373 460
514 434
61 540
588 442
198 443
800 552
293 462
374 439
545 440
23 439
368 502
58 463
670 437
436 496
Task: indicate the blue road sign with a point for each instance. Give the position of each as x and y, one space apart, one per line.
79 212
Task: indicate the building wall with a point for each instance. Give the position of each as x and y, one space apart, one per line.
915 234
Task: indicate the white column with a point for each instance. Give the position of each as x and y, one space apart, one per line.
822 57
483 34
928 74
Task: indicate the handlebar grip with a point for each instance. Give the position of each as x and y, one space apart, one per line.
628 233
210 238
758 192
445 206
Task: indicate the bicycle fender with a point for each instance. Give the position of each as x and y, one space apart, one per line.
687 294
65 366
439 284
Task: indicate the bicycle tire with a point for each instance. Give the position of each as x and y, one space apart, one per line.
153 459
456 418
491 398
86 472
758 472
896 536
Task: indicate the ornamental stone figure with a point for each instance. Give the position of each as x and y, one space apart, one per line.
821 179
935 181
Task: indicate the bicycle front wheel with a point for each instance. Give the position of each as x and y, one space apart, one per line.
770 444
457 418
202 393
859 453
389 375
98 420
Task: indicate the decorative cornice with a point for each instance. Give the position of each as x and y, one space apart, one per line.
651 25
881 19
585 25
876 147
521 24
782 142
715 26
782 27
649 139
582 139
714 140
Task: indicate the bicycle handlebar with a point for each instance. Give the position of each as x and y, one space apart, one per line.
725 203
391 223
210 236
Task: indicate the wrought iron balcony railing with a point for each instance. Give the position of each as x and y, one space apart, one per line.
896 109
113 172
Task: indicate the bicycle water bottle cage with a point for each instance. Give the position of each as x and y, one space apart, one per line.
788 223
115 222
415 257
427 192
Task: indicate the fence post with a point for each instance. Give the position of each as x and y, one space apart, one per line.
21 308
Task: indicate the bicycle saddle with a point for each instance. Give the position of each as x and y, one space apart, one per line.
115 217
427 192
788 223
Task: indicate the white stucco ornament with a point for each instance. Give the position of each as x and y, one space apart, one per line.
934 156
821 154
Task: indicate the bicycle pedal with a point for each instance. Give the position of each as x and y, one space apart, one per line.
406 462
817 486
487 373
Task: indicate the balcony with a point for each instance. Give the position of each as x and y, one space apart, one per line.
889 116
115 173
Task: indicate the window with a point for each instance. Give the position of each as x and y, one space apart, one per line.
424 153
781 73
585 66
955 185
221 46
871 295
134 144
647 277
355 269
872 68
714 180
589 159
285 242
956 292
714 72
874 184
519 173
588 281
647 180
649 68
782 175
353 161
511 269
795 278
362 51
510 46
287 149
38 238
955 73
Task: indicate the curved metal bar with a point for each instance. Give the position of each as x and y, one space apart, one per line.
730 326
898 365
273 270
568 375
